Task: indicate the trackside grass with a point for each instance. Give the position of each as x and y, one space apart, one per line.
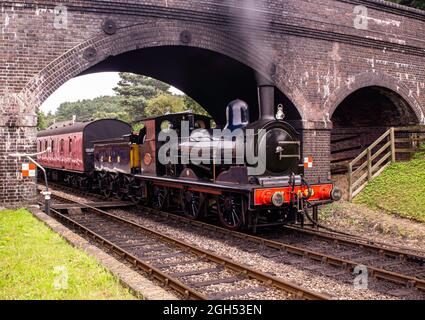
400 189
36 263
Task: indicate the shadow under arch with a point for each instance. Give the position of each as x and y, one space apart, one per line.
100 51
367 80
362 117
210 78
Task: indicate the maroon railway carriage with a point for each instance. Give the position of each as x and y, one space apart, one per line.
71 147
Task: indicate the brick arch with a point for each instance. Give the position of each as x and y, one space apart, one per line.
369 79
73 62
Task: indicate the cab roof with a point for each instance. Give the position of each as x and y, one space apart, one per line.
173 115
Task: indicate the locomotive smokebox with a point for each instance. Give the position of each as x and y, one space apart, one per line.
265 98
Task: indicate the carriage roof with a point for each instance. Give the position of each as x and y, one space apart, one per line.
72 127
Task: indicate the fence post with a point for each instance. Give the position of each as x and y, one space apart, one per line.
415 143
369 165
392 139
350 181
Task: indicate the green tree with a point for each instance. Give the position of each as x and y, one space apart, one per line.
41 121
194 106
137 97
168 103
44 121
91 109
165 103
136 90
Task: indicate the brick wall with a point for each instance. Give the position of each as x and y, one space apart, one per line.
13 188
316 143
319 56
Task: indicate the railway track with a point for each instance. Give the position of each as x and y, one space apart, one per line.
193 272
344 253
353 239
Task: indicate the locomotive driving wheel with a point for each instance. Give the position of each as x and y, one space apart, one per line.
159 198
230 209
192 204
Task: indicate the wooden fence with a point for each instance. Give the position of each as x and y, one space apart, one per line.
395 144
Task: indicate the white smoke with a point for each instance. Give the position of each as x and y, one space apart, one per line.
249 21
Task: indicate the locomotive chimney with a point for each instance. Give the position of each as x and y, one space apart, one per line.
265 98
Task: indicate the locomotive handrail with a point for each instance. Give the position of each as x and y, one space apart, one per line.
360 173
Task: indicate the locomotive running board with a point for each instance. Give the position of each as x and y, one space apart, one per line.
211 187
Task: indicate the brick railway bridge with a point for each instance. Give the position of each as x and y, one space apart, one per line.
344 69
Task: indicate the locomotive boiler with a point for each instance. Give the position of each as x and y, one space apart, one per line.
271 143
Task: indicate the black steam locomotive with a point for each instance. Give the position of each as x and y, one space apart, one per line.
148 169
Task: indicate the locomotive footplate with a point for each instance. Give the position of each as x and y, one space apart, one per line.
198 185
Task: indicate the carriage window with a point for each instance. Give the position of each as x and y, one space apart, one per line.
52 145
45 145
61 146
39 146
70 145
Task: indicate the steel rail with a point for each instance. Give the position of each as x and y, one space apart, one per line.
171 282
266 279
349 265
359 241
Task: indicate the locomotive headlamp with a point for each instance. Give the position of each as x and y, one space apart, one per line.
279 114
278 199
336 194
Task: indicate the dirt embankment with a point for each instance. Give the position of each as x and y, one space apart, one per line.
375 225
